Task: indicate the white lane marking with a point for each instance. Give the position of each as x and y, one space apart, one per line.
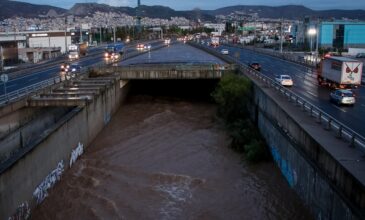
33 79
311 93
11 85
343 110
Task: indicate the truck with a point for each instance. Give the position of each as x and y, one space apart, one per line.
339 72
75 51
214 41
114 51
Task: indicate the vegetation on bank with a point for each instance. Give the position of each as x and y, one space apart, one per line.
233 95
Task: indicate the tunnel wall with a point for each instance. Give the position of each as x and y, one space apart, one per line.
25 180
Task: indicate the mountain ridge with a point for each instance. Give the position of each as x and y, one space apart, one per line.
10 9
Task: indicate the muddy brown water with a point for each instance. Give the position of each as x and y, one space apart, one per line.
167 158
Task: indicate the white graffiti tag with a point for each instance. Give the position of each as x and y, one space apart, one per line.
78 151
21 213
40 193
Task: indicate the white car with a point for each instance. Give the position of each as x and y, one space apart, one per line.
284 80
224 51
343 97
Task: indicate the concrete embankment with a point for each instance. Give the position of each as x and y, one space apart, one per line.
324 170
55 141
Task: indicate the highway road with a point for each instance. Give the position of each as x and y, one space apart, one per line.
306 86
50 70
305 83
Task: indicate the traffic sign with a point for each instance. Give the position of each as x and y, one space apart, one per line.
4 78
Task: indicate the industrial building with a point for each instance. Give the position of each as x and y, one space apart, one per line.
330 34
32 46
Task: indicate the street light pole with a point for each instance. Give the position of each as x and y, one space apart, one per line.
1 59
281 36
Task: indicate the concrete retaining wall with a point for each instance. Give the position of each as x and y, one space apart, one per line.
324 184
24 182
325 172
25 126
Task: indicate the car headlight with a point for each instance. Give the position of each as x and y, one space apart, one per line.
69 56
77 56
106 54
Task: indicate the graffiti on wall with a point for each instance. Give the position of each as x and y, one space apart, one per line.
76 153
21 213
40 193
284 165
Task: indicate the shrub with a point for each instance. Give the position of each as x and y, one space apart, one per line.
232 95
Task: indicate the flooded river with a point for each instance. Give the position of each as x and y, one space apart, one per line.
167 158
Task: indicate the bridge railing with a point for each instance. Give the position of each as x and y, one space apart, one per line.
328 122
166 67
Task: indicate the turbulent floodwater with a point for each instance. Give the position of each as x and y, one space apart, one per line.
167 158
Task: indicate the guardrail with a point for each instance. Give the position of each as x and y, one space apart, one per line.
289 56
328 122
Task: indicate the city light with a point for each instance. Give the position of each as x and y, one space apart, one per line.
312 31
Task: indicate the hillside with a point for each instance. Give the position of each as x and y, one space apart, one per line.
10 9
20 9
289 12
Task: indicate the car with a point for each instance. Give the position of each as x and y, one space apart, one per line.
256 66
147 46
224 51
343 97
140 46
284 80
360 55
74 68
64 67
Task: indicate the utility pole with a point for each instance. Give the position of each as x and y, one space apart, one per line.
281 36
114 34
81 33
100 34
138 13
1 59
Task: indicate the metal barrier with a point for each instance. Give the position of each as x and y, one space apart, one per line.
285 55
341 131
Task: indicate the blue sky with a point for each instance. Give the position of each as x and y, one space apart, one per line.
213 4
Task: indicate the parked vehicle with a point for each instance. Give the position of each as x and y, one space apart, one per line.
284 80
339 72
114 51
255 66
343 97
225 51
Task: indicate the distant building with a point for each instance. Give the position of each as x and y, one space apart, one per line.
331 34
342 34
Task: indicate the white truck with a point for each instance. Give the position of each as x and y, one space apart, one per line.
339 72
75 51
214 41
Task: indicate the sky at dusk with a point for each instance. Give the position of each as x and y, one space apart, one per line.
212 4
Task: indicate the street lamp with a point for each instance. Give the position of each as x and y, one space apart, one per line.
311 33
